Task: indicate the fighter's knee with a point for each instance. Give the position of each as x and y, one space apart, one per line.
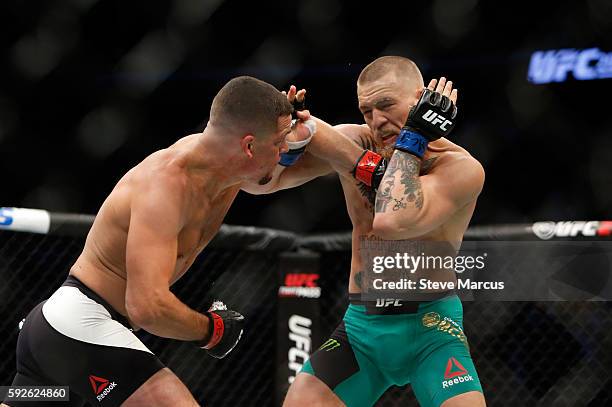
469 399
297 397
308 390
162 389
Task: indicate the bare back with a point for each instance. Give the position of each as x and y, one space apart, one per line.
360 199
102 264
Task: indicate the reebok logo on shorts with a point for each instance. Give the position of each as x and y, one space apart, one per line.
101 387
455 373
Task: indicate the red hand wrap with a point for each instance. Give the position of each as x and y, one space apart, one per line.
217 332
366 165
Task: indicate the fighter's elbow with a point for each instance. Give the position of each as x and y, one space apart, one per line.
142 316
388 228
145 312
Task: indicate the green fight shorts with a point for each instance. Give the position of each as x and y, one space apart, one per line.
396 343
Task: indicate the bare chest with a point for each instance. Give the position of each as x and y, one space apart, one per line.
202 225
360 200
359 203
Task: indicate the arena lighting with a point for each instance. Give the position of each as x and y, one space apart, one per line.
554 65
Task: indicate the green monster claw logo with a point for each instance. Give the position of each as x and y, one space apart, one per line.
329 345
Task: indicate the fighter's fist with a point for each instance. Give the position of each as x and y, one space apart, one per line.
370 169
225 330
431 118
303 126
298 100
434 114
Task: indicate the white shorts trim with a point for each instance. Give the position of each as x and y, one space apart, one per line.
75 315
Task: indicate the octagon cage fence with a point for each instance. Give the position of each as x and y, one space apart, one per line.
528 353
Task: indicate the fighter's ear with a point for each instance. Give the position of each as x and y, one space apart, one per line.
246 144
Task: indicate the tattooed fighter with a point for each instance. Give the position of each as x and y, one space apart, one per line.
428 193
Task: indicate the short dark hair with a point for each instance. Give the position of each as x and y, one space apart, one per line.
401 66
249 105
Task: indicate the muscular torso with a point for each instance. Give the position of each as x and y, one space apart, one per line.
360 203
102 264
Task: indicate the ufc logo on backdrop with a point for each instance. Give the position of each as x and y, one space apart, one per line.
437 120
301 279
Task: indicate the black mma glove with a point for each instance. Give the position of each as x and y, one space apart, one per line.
297 106
431 118
224 330
297 148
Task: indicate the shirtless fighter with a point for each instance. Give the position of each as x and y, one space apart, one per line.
148 232
428 193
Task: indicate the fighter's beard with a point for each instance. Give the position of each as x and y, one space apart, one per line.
386 151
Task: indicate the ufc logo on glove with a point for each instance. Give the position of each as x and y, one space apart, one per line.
437 119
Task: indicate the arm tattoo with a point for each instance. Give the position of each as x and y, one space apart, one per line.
366 143
410 179
399 204
409 167
371 237
383 197
357 279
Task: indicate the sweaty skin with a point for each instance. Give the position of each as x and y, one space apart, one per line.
162 214
441 156
428 199
102 264
443 202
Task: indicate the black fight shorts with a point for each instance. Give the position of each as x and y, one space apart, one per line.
77 339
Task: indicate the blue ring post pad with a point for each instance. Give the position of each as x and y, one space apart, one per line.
411 142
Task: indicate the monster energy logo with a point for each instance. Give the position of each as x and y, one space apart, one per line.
329 345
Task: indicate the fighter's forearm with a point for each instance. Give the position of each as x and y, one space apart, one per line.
335 148
404 169
171 318
400 197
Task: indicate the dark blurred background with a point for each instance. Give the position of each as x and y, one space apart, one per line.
90 87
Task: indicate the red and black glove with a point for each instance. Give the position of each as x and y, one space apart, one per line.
370 169
224 330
